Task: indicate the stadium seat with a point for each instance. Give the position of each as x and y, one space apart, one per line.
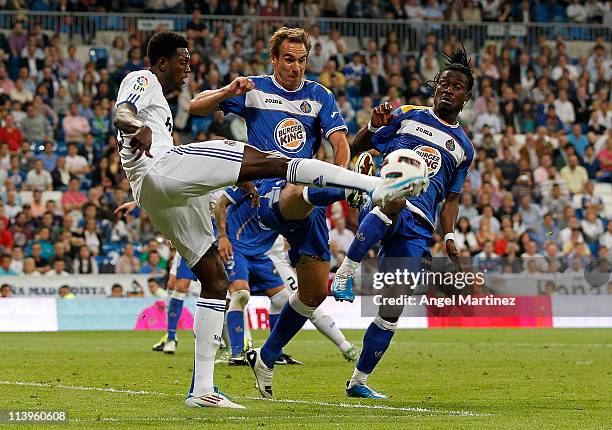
99 55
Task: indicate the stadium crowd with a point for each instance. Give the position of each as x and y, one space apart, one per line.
540 121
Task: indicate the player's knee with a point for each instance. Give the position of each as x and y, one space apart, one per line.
217 287
239 300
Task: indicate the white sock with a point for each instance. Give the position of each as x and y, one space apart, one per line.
207 328
327 326
299 307
320 174
178 295
278 301
348 267
358 378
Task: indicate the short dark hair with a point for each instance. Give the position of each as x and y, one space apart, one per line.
165 44
294 35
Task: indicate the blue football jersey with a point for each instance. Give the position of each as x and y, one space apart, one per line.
289 122
243 228
445 148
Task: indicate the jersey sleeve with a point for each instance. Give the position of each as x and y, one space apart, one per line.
382 140
330 117
456 183
235 105
137 90
234 194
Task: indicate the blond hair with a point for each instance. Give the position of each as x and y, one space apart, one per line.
295 35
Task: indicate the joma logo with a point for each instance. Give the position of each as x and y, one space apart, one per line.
278 102
427 132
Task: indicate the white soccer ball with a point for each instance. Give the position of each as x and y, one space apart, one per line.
406 165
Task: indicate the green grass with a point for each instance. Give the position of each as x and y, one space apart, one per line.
518 378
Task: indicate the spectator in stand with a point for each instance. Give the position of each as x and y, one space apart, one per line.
76 164
75 126
6 238
565 109
153 265
341 235
29 267
128 262
11 134
73 199
41 263
38 179
116 291
465 237
59 266
35 127
5 265
60 175
373 84
71 64
48 157
60 252
85 263
6 291
65 293
574 175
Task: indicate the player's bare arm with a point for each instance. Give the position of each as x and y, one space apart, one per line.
208 101
128 123
448 218
381 115
341 148
225 246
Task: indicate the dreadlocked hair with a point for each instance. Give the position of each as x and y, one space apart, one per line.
457 60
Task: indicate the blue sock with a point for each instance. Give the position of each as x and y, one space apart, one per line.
371 231
175 308
288 324
272 319
375 342
325 196
235 329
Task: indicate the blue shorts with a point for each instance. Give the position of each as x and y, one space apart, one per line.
258 270
308 237
184 272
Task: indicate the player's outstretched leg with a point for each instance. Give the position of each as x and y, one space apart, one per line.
259 165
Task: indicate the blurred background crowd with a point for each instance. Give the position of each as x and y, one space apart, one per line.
538 193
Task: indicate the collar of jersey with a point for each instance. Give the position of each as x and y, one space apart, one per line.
285 89
455 125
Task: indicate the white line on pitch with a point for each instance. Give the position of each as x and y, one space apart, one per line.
362 406
304 402
71 387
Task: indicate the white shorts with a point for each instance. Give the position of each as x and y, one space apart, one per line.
174 193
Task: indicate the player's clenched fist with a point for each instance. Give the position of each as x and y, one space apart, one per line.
240 86
381 115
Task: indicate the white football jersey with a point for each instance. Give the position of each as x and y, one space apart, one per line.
143 92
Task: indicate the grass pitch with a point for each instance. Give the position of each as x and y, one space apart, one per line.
438 378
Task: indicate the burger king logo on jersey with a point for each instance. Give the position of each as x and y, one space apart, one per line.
432 158
290 134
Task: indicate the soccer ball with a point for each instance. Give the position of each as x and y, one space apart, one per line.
406 165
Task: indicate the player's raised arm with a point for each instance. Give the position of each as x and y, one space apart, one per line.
381 116
208 101
128 123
